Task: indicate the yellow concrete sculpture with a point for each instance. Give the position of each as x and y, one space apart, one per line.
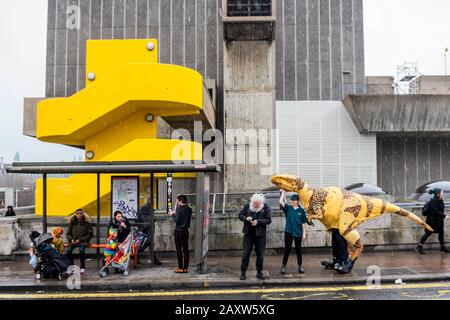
115 117
341 209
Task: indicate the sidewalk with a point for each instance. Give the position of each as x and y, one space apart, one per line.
16 274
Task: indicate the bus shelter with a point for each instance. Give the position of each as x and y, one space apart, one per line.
133 167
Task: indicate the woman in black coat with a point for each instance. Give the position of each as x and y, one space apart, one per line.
435 219
122 224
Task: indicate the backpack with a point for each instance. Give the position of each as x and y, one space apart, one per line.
145 242
426 209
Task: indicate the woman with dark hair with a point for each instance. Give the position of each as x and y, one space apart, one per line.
122 224
182 218
434 211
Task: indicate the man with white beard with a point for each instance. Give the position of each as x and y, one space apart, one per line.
256 216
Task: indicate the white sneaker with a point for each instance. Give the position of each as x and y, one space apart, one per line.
82 271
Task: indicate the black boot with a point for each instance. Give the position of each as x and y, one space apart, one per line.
419 249
156 261
243 276
328 264
260 275
346 267
283 269
444 249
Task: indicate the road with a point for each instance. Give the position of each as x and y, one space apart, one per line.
414 291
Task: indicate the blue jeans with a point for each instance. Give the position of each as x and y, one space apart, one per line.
82 248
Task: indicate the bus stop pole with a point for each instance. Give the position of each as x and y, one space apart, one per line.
198 231
44 203
98 220
152 223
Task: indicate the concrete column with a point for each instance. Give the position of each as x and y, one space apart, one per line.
249 103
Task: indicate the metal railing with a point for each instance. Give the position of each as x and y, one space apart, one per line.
249 8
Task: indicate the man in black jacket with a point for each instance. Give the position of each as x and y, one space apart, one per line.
256 216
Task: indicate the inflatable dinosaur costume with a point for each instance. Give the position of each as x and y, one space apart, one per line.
340 209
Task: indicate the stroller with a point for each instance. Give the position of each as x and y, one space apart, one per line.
51 263
121 259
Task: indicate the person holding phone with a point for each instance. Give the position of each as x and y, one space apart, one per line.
182 218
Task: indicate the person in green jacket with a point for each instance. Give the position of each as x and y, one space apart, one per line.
295 229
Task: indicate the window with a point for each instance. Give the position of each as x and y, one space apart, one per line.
249 8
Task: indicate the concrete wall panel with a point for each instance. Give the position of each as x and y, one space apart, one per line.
405 163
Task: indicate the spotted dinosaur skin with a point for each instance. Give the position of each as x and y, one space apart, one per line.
341 209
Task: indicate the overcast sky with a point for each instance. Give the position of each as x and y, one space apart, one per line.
396 31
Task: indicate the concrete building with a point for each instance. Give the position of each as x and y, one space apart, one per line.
428 84
293 65
282 64
380 85
308 50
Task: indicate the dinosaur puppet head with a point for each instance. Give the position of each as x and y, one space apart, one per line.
288 182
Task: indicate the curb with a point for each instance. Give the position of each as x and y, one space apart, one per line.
217 284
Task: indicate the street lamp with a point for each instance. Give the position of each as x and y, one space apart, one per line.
17 195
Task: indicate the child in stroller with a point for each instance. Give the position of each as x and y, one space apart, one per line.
48 262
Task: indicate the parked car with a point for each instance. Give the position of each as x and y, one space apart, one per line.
370 190
422 194
272 195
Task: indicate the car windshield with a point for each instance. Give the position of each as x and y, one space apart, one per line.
444 185
365 188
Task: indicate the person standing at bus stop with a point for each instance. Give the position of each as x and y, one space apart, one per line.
182 218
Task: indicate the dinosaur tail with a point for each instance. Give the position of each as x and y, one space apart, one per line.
392 208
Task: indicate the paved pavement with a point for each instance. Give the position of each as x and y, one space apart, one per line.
16 275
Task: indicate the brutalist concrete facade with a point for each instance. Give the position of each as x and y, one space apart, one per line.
316 42
413 144
318 47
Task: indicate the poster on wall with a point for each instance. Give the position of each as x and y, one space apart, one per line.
125 195
169 192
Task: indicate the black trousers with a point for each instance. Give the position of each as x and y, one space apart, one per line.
182 245
82 248
260 247
339 247
288 238
427 234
